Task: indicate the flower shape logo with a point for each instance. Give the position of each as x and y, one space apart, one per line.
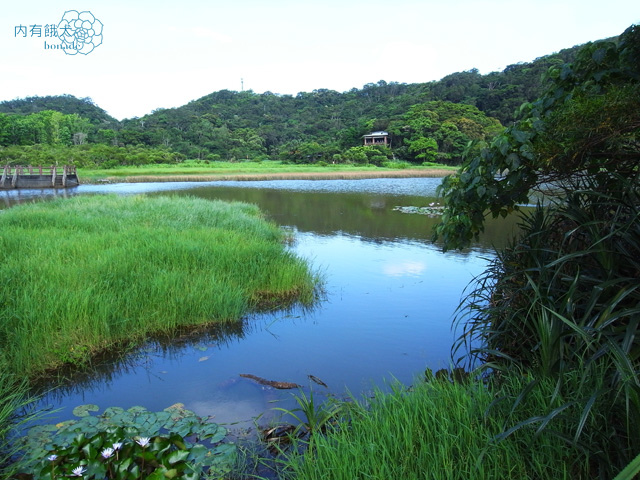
80 32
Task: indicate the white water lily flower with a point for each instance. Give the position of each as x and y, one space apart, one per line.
78 471
52 458
117 445
107 452
143 441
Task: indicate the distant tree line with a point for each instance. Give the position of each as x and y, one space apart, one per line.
427 122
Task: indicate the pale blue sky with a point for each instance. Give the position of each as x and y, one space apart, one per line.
163 54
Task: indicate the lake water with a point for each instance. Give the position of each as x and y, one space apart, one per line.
390 296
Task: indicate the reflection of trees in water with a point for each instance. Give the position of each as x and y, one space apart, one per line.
11 198
339 208
369 216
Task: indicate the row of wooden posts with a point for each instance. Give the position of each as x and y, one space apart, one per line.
15 172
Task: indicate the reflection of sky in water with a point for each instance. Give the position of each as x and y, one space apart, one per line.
397 186
406 268
387 315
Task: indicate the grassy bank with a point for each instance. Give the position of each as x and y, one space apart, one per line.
81 275
443 431
192 170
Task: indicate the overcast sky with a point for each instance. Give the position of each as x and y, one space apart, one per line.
163 54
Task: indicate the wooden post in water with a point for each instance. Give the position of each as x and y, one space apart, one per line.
18 176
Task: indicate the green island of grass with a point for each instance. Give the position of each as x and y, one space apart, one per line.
85 274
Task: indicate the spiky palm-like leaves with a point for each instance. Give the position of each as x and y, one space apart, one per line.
564 299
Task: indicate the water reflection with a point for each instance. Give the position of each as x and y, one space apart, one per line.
357 207
390 296
109 366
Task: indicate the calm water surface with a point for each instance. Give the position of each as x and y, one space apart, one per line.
386 314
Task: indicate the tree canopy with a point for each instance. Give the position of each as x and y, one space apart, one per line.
67 104
559 304
585 126
431 121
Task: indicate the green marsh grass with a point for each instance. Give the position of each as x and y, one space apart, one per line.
437 430
80 275
192 170
312 418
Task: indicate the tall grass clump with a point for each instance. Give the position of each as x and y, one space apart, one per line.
562 303
80 275
437 430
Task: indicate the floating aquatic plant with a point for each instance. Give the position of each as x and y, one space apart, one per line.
128 444
431 210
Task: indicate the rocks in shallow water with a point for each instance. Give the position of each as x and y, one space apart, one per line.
432 210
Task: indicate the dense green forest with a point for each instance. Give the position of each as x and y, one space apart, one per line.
435 121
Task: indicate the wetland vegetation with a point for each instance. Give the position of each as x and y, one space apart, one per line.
437 429
92 273
83 274
202 171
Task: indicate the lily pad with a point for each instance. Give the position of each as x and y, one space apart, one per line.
66 424
137 410
112 411
83 410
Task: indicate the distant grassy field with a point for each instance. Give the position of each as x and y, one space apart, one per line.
83 274
201 171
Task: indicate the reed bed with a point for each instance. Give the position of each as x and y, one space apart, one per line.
284 176
83 274
439 430
563 302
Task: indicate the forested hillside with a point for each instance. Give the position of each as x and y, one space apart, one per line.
427 122
67 104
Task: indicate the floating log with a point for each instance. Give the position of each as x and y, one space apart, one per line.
271 383
317 380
